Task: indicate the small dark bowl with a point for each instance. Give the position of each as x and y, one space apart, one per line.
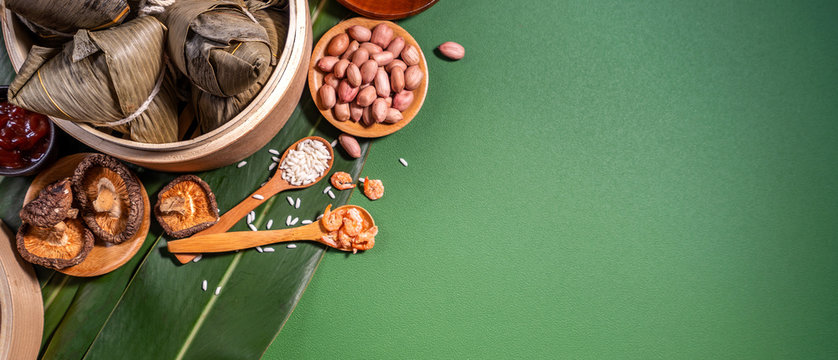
33 168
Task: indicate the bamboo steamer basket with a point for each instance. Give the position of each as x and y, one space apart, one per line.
240 137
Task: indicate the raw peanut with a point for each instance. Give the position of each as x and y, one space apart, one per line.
393 116
340 68
353 74
348 143
396 46
330 79
397 80
359 33
347 92
350 50
355 111
383 58
366 96
402 100
327 64
381 35
396 64
452 50
338 44
413 77
360 56
379 110
366 118
371 48
327 96
382 83
410 55
341 111
389 100
368 70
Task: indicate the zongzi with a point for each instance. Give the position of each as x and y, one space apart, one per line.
49 18
112 78
213 111
218 44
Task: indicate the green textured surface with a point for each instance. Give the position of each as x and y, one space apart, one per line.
601 179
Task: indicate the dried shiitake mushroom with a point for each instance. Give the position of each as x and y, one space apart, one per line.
63 245
109 197
53 204
186 206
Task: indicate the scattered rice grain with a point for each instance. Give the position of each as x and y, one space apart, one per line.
297 204
331 194
327 189
204 285
306 222
270 223
268 249
275 159
294 222
218 290
259 249
198 258
252 227
243 163
258 197
290 200
288 221
271 166
335 143
273 151
292 246
403 161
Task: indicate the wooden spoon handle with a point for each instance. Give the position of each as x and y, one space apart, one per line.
230 218
243 239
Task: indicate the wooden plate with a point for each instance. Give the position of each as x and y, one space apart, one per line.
21 306
103 258
388 9
315 80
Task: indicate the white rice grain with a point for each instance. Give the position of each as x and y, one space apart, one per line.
198 258
288 221
403 161
297 204
306 222
218 290
259 249
294 222
331 194
252 227
243 163
290 200
334 143
273 151
275 159
270 223
268 249
271 166
258 197
204 285
327 189
291 246
319 216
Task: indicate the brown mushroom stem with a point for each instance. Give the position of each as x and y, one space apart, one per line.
56 235
107 199
173 204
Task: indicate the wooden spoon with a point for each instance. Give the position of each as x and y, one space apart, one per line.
274 186
248 239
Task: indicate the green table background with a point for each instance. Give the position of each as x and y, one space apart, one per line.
600 179
604 179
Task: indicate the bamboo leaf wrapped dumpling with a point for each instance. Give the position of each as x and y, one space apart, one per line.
113 78
217 44
213 111
49 18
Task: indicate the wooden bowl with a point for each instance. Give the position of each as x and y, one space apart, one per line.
103 258
388 9
240 137
21 306
315 80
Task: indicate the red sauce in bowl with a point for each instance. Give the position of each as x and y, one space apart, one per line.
24 136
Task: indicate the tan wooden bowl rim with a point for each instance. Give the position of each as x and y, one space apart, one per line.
315 80
21 306
278 84
102 259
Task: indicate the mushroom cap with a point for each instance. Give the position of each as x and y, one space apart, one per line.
53 204
87 182
33 246
199 209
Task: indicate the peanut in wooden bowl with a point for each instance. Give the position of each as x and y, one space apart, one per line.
315 81
103 258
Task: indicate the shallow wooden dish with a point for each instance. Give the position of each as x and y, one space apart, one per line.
103 258
243 135
388 9
315 80
21 306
